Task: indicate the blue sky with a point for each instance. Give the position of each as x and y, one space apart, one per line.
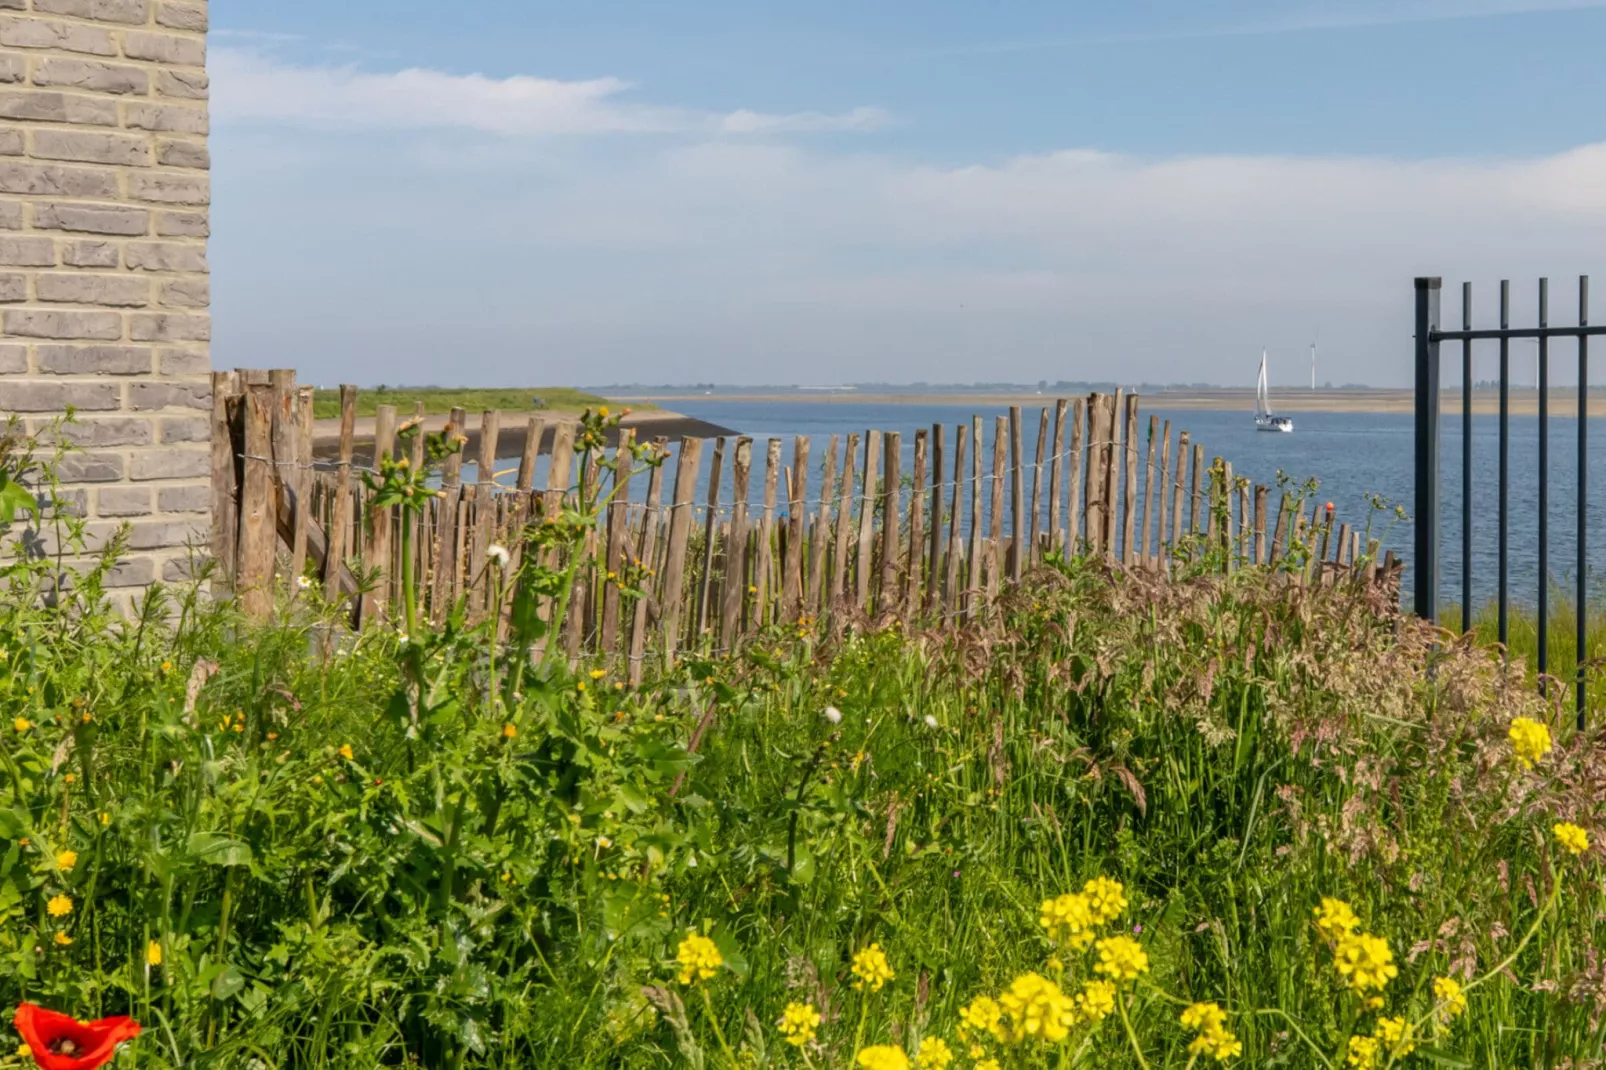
505 192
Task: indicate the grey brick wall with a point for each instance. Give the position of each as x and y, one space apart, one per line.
104 195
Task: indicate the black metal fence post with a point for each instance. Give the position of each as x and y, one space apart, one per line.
1466 459
1505 461
1544 485
1581 599
1427 448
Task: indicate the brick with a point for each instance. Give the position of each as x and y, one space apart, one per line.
27 252
13 288
91 219
91 254
131 572
91 468
67 503
33 106
122 150
181 51
13 67
109 431
183 362
187 429
184 154
170 327
123 501
133 12
148 397
170 464
182 225
185 85
168 188
29 396
186 293
48 33
186 569
93 360
166 256
14 5
54 180
169 118
165 534
13 142
45 323
107 291
91 74
11 215
192 499
13 360
182 16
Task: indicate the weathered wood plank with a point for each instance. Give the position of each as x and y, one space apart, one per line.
797 508
686 466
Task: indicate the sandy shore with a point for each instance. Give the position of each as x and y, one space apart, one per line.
514 430
1484 402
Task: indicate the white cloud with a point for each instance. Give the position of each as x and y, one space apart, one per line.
250 85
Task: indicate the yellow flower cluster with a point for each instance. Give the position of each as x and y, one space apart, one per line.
1365 962
1096 1001
1573 840
699 959
1070 919
1037 1010
934 1054
1335 919
1390 1042
871 969
1530 741
1214 1039
799 1022
1453 1001
883 1057
1121 958
982 1016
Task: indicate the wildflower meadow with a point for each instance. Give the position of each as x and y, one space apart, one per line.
1114 821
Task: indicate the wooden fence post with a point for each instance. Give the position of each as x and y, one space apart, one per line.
797 508
950 568
1112 475
1017 492
443 583
259 527
996 516
686 465
225 491
1035 525
1074 502
822 530
888 592
1198 488
710 530
1098 446
1148 494
844 526
1055 467
376 553
917 530
766 535
973 581
1260 525
1129 497
1162 535
618 541
863 561
734 594
934 571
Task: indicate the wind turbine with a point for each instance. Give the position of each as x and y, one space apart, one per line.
1313 366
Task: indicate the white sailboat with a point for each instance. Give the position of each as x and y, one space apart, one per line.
1264 420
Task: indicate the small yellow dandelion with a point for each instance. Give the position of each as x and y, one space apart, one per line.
59 906
597 674
63 939
153 953
509 731
346 752
66 860
22 724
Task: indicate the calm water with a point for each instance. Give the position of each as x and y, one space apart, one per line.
1352 455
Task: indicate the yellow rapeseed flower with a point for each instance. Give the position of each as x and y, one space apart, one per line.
59 906
1121 958
1037 1009
1203 1017
934 1054
989 1064
981 1015
1068 920
699 959
1363 1053
883 1057
798 1023
1365 961
871 969
153 953
1530 741
1574 840
1105 898
1453 1001
1335 919
22 724
1390 1034
66 860
1096 1001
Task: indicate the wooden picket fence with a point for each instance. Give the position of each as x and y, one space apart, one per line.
866 543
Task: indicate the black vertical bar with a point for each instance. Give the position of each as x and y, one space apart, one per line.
1505 454
1466 460
1580 599
1427 448
1544 485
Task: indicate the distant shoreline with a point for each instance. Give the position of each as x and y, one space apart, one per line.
1485 402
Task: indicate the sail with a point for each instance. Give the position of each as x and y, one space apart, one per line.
1262 398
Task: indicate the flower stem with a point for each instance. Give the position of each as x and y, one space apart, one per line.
1126 1023
719 1034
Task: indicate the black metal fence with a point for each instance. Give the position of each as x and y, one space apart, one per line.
1430 335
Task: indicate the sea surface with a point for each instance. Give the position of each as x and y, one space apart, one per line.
1353 456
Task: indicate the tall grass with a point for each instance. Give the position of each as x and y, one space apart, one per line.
1561 636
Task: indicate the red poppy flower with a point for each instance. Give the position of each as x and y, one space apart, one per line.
58 1042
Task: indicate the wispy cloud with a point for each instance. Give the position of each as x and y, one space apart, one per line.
252 86
1305 19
